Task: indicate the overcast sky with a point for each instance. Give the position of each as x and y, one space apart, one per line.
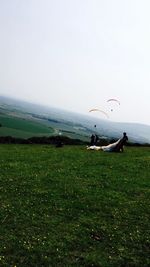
76 54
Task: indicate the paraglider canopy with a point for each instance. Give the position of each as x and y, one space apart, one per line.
113 103
99 110
113 99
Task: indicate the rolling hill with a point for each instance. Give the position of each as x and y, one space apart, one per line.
22 119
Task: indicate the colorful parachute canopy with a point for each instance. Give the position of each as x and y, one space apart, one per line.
113 99
96 109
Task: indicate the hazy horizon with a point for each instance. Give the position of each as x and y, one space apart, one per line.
75 55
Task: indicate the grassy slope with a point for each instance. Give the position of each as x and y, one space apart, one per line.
18 127
25 128
73 207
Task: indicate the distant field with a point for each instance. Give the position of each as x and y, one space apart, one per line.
19 127
25 128
72 207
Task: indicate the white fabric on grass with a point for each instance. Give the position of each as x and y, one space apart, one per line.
107 148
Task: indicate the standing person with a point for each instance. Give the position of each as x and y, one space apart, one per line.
96 139
92 143
121 143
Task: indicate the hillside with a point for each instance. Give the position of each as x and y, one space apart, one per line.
22 119
73 207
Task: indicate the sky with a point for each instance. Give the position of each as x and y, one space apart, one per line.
77 54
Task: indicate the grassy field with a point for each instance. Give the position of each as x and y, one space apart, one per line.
72 207
26 128
19 127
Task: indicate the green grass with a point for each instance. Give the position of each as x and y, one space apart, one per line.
72 207
19 127
26 128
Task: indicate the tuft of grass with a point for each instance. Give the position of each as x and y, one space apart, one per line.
72 207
